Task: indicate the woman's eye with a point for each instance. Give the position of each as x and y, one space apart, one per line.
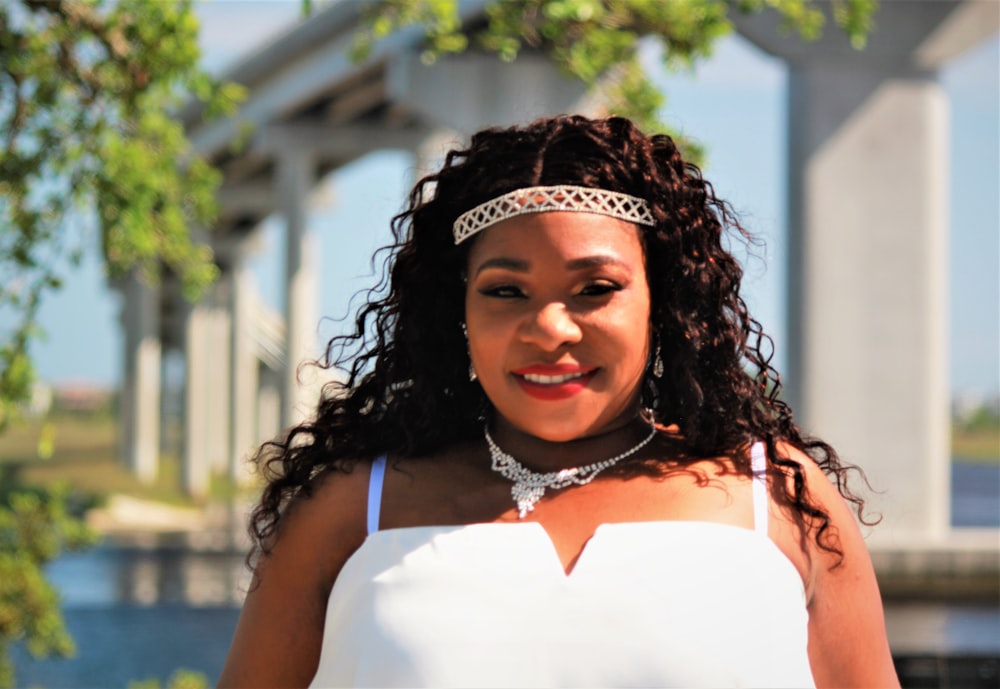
599 289
503 292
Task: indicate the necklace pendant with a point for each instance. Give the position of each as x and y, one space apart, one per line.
529 486
526 496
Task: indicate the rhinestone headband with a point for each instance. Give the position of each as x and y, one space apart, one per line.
562 197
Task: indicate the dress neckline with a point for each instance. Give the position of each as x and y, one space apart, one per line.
431 533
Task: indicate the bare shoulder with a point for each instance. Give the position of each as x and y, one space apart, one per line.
279 634
820 489
847 640
817 480
799 535
327 523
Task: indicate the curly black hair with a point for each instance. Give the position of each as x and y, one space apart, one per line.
405 366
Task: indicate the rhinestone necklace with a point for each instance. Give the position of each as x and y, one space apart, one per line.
529 486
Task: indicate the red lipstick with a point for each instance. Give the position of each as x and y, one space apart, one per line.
553 381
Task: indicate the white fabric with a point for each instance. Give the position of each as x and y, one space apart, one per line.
648 604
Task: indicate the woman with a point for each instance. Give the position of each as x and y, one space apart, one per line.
559 458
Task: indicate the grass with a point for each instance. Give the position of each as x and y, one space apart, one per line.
980 445
84 454
976 436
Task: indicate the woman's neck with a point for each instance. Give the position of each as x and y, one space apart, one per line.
543 455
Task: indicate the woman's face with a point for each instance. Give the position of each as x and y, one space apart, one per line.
557 311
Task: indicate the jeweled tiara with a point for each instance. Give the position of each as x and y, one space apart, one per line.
562 197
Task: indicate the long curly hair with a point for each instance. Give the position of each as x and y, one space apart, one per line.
404 387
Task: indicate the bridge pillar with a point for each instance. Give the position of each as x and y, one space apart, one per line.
492 92
207 388
295 179
244 368
868 250
268 404
140 398
219 370
195 463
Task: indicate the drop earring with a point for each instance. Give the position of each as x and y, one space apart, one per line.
472 368
657 362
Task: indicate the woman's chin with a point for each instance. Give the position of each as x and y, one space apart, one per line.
562 430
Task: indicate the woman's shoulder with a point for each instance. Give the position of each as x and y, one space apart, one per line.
821 488
333 508
323 524
336 495
847 639
279 633
841 547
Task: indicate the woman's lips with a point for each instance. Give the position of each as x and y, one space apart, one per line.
553 381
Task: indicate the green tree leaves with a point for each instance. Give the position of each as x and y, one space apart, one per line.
88 140
34 528
597 41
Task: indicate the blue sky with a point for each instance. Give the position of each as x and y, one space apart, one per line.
734 104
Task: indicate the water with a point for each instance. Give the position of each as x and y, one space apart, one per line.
119 644
975 490
141 613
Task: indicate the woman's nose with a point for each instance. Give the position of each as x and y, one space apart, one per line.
551 327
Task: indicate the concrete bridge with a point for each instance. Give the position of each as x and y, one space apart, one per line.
868 153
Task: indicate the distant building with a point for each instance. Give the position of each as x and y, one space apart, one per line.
81 397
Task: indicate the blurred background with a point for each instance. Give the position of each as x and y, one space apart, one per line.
161 589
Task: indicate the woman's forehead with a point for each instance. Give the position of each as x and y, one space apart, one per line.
562 236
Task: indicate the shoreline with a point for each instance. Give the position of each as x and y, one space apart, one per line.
129 522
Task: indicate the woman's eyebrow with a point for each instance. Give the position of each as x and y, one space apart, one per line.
514 264
522 266
595 261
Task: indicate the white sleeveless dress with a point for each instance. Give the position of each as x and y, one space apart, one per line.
648 604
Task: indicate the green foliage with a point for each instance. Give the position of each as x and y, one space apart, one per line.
975 434
16 372
86 137
980 419
35 526
439 20
180 679
597 41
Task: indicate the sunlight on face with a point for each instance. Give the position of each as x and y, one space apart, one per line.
557 310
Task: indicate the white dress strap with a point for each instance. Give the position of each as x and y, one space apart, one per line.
375 493
758 463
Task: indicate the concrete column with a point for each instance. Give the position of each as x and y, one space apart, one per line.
140 398
218 351
268 405
429 154
492 92
126 398
195 465
868 200
868 318
244 376
296 175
